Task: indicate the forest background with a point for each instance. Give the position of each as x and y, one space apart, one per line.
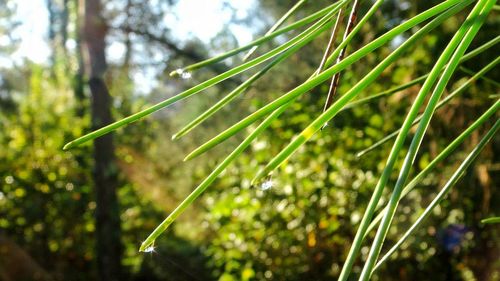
82 214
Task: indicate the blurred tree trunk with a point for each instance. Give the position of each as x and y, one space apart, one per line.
52 29
78 78
58 13
105 172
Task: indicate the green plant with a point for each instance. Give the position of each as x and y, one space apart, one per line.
434 83
491 220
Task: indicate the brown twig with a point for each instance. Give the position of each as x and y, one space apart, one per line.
336 77
331 42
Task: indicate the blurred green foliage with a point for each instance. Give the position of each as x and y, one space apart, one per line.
298 229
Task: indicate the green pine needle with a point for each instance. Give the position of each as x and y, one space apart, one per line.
491 220
446 189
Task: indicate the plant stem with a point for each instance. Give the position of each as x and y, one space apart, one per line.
331 42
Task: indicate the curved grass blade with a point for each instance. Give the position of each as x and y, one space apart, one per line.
321 77
221 57
209 180
312 31
441 156
277 24
452 53
491 220
446 189
442 103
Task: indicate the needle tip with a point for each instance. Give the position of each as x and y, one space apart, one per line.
190 156
359 154
143 247
258 176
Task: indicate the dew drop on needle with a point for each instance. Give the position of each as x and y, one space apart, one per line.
183 74
186 75
266 185
149 249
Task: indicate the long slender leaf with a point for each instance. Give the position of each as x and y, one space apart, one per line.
442 103
259 41
240 89
320 78
463 37
417 80
440 157
353 252
245 85
312 31
204 185
277 24
482 48
307 133
446 189
208 180
484 78
386 92
491 220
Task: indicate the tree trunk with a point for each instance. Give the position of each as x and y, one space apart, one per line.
105 171
78 78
